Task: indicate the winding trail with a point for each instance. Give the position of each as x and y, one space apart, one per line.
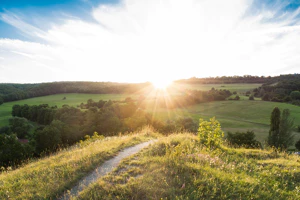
102 170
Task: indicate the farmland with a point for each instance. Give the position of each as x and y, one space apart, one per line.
234 116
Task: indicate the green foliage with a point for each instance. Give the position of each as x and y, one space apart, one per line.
19 126
280 134
240 139
251 97
210 133
286 136
266 97
186 124
48 139
274 128
12 152
297 145
1 100
295 95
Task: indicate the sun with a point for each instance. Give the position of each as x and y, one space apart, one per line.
161 84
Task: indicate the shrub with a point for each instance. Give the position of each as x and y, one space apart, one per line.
210 133
295 95
240 139
251 98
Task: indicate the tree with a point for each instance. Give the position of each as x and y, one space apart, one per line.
286 138
266 97
210 133
12 152
274 128
19 126
48 139
280 134
295 95
297 145
1 100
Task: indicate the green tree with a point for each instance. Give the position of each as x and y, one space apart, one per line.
48 139
280 134
273 137
297 145
19 126
295 95
210 133
286 138
12 152
1 100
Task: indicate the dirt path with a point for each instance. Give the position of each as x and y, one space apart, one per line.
102 170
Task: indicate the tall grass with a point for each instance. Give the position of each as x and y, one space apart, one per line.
47 178
178 167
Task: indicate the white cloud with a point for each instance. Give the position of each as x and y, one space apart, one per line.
141 40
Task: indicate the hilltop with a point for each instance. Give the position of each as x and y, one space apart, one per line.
177 166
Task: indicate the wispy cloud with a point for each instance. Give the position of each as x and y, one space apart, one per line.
140 40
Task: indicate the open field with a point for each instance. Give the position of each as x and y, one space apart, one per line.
234 116
238 87
52 100
179 167
76 99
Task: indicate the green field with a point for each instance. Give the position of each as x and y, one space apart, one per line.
240 88
234 116
52 100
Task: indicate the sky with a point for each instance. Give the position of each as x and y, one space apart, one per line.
146 40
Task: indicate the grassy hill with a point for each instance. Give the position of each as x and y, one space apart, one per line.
47 178
178 167
175 167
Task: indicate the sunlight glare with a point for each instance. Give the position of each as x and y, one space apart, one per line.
161 84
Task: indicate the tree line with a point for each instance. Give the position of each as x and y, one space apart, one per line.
227 79
13 92
285 88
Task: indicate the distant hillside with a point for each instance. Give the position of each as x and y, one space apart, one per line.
240 79
284 88
13 92
227 80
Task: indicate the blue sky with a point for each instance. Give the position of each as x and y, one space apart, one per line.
145 40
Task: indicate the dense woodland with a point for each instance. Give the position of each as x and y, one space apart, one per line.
285 88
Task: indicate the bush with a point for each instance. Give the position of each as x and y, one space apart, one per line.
240 139
295 95
251 98
210 133
266 97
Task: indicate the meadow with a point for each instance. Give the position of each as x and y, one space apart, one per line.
48 177
234 116
179 167
56 100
